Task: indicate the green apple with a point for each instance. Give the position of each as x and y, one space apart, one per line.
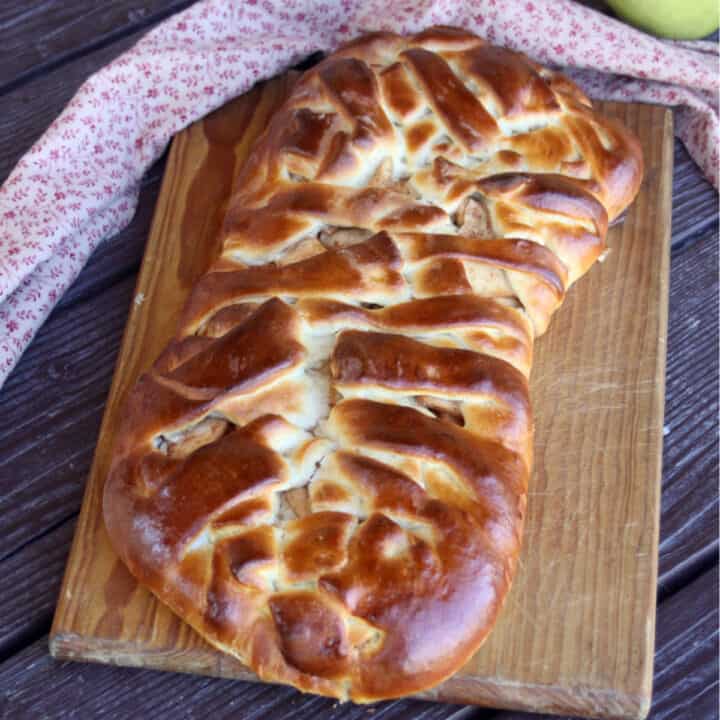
679 19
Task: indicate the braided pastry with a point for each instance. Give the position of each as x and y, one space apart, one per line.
325 472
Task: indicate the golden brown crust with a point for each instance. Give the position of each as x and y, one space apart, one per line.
325 473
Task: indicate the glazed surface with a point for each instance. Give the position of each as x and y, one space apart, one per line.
325 473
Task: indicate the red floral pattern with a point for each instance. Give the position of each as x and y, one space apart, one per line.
79 183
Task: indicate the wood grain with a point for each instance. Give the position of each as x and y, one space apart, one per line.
47 436
687 658
589 565
695 201
31 581
689 518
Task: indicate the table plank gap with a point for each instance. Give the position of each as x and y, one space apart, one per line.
709 232
37 538
686 573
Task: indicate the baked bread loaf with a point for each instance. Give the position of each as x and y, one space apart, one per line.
325 472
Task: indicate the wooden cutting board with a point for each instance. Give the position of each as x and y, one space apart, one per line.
577 633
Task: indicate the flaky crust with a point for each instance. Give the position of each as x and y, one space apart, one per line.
325 472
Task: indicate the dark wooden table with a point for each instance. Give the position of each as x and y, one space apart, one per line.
52 404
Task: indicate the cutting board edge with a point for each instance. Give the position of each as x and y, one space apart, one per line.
665 194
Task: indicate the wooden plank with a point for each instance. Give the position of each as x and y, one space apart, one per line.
40 34
686 680
695 200
690 494
589 387
47 437
30 585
